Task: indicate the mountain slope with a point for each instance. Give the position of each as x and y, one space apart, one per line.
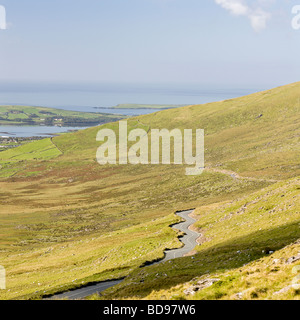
233 235
58 197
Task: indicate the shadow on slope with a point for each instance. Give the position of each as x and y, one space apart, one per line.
228 255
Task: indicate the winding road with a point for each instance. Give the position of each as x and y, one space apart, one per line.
85 291
188 240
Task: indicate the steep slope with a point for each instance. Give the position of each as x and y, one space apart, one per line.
233 235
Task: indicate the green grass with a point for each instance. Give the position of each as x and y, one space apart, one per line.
37 150
233 234
54 194
269 277
102 257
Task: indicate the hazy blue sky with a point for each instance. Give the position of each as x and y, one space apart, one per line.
182 41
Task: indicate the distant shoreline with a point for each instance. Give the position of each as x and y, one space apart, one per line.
144 106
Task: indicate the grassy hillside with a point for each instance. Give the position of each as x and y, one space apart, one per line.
56 200
272 277
27 115
234 233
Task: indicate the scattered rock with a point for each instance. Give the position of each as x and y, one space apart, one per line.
268 251
202 284
293 259
239 295
189 291
286 289
276 261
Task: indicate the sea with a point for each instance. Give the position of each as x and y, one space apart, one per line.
101 97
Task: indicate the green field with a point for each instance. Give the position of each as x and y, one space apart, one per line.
66 221
26 115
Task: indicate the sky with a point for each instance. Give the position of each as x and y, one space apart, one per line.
227 42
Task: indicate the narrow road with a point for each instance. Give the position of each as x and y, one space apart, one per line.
85 291
188 240
235 175
51 139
